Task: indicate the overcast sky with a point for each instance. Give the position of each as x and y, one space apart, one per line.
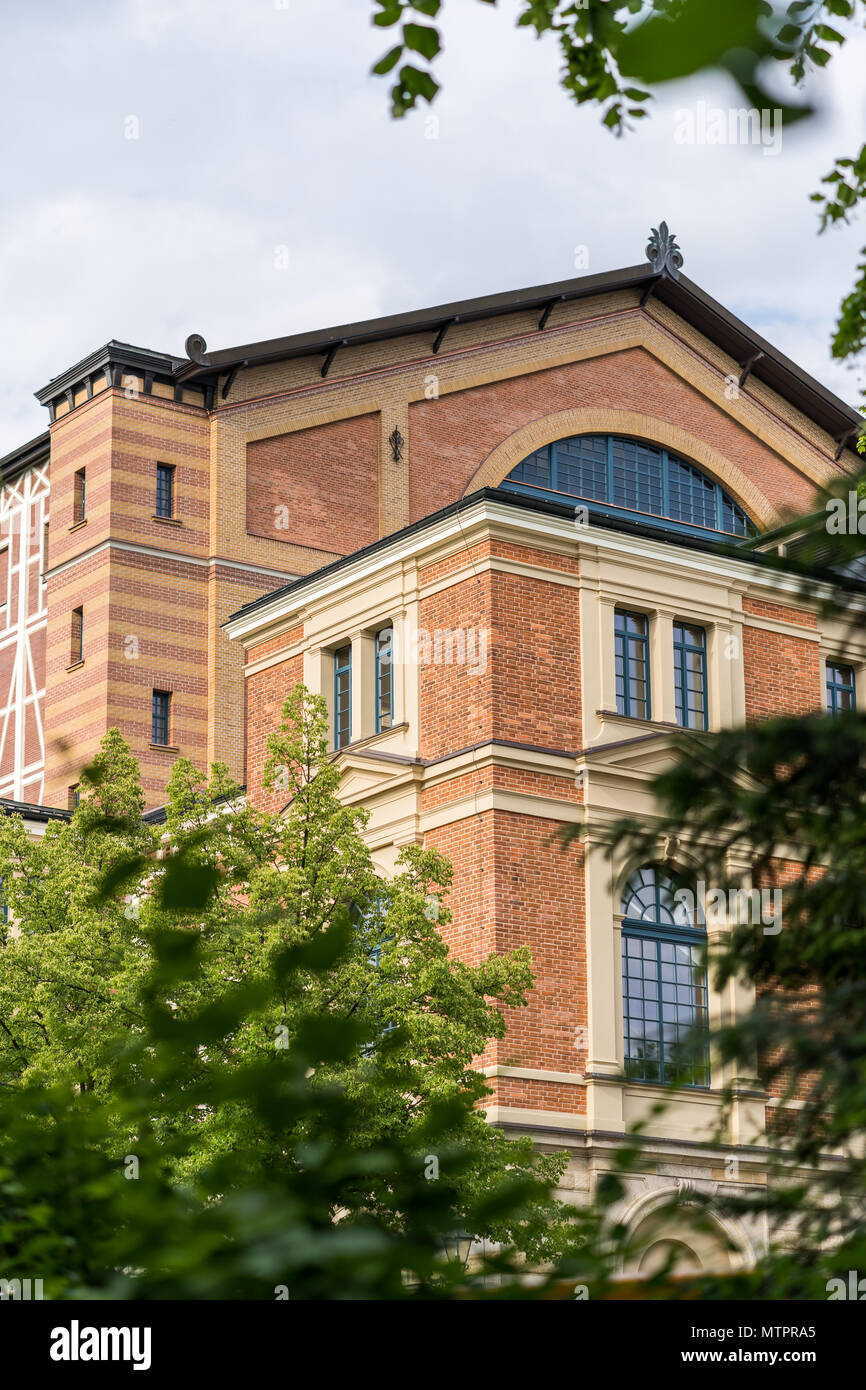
259 127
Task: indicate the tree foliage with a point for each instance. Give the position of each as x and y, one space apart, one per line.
275 1038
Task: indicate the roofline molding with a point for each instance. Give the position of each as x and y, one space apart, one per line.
683 296
548 519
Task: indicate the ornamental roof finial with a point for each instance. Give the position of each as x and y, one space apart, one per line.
663 253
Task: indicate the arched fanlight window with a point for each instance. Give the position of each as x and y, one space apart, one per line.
631 476
664 983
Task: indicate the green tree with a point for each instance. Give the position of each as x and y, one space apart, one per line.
89 899
71 970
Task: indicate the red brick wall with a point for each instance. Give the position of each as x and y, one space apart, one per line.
783 673
530 691
267 691
514 885
450 437
327 477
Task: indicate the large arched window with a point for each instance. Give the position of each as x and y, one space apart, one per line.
627 476
664 983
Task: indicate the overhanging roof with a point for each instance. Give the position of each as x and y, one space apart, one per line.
25 456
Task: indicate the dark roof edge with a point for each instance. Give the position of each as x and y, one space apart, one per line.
31 811
417 320
25 456
512 499
160 363
693 304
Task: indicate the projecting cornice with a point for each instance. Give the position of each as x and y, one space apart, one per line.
117 364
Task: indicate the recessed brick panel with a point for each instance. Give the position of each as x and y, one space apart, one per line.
451 437
317 487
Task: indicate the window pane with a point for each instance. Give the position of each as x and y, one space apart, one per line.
164 489
841 693
384 679
664 984
692 497
581 466
635 475
535 470
342 697
631 647
159 720
690 676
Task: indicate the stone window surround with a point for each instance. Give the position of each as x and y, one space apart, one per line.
319 676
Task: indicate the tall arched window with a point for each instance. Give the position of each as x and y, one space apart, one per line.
630 476
664 984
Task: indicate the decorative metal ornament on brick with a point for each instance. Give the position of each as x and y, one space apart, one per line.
396 440
663 253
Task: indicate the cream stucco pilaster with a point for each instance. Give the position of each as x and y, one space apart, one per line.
604 1092
663 706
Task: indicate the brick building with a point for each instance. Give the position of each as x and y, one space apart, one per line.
491 535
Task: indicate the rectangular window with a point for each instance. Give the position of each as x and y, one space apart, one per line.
841 694
160 717
384 679
342 697
73 797
664 1010
690 676
77 648
79 497
164 489
632 664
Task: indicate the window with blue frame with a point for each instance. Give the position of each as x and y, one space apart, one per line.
384 679
664 984
631 476
374 936
690 676
342 697
841 692
631 637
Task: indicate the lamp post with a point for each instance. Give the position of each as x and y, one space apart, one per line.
458 1246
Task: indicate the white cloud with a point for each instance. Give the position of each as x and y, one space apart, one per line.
261 127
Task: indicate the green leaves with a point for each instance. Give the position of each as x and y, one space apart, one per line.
413 83
422 39
697 36
266 1056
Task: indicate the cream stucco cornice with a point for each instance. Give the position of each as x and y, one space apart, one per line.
421 546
